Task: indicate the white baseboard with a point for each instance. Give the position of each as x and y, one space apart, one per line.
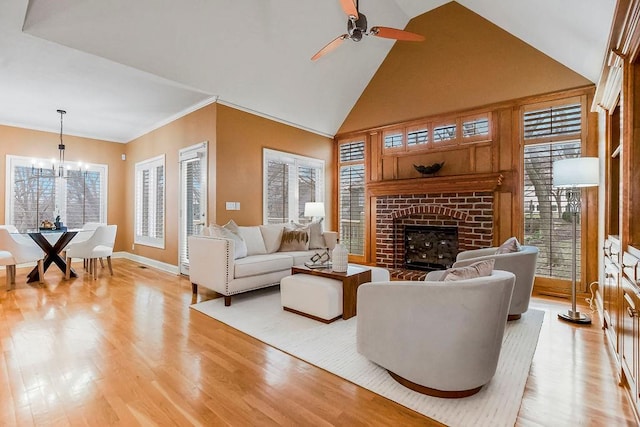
169 268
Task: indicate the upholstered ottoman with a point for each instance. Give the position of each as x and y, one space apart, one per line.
319 298
378 274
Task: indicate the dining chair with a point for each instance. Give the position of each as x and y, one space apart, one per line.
18 251
84 234
99 245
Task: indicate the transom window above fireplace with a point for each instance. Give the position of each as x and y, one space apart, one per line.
437 133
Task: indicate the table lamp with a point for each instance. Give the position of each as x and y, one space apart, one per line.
314 210
574 174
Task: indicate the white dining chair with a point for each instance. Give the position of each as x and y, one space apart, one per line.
85 233
99 245
18 251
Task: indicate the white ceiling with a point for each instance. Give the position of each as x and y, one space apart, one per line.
122 68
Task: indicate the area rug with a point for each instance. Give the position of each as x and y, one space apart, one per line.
333 347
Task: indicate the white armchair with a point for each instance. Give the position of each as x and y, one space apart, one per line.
99 245
437 338
18 251
521 263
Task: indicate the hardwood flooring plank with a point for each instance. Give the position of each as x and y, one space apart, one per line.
127 350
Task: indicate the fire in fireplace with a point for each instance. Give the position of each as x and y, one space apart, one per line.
430 247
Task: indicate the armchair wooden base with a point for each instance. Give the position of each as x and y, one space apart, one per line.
432 391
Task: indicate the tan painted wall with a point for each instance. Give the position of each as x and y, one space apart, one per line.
191 129
31 143
465 62
241 138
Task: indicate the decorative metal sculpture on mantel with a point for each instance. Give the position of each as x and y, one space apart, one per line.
430 169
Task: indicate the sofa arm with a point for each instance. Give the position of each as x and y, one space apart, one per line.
330 239
211 262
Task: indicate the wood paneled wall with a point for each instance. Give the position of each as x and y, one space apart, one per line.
469 165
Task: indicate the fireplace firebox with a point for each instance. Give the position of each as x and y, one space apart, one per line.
430 248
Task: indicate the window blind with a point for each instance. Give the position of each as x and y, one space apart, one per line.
393 139
351 196
417 137
149 202
474 128
35 194
547 222
444 133
553 121
289 182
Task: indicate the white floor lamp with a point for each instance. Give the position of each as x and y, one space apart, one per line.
574 174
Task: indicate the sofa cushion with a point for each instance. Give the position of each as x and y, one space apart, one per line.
261 264
239 245
272 236
510 245
477 269
316 240
253 237
294 240
300 257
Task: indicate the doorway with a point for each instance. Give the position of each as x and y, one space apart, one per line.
193 198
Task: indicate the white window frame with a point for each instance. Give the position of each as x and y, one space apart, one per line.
295 161
61 191
150 165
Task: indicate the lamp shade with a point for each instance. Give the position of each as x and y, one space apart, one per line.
576 172
314 209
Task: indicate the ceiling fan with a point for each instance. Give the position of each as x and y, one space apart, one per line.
357 27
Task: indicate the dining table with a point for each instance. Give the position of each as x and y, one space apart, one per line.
52 242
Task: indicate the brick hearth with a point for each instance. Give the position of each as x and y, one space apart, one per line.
471 212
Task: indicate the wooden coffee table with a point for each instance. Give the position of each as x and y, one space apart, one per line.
354 277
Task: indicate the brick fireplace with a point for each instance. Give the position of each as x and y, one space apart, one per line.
470 212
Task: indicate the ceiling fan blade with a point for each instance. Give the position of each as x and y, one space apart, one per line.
330 46
349 8
393 33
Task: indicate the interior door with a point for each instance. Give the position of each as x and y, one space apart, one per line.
193 198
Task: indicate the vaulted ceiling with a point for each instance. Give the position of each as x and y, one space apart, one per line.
122 68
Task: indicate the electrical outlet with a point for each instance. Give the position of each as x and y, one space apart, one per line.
133 247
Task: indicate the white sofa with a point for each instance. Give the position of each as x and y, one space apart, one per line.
212 263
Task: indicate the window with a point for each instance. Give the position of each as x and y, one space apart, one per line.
553 121
351 196
289 182
149 202
35 193
444 132
547 221
475 128
417 136
438 134
393 139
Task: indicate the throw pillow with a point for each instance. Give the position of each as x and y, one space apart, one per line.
477 269
253 237
510 245
272 236
294 240
239 245
316 239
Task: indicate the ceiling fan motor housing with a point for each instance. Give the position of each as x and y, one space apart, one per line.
357 28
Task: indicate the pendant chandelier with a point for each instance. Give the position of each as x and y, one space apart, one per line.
61 147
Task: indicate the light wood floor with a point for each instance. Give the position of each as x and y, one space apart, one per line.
128 351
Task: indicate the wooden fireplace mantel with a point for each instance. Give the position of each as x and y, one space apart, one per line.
439 184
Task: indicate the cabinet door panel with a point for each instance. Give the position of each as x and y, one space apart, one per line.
629 336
